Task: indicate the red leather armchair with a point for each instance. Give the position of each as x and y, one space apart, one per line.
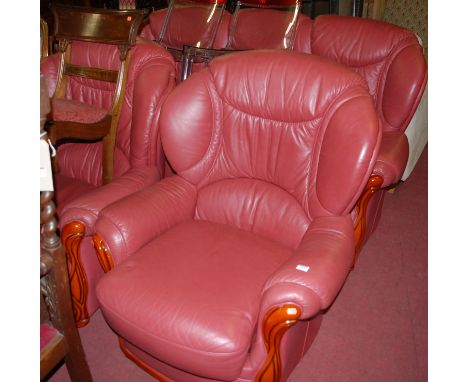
222 272
138 157
391 61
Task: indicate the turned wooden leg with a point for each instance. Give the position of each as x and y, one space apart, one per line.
373 185
276 322
72 235
103 253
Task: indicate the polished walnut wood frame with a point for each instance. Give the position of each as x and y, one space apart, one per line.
99 26
103 253
275 324
373 185
72 235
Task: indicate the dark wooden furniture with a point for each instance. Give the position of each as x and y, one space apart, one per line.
60 339
44 39
97 26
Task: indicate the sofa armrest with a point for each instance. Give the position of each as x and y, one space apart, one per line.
132 222
317 270
86 208
392 158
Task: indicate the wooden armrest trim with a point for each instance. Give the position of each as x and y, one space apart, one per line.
373 185
275 324
103 253
72 235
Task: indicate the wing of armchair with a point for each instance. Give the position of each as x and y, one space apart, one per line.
223 271
391 60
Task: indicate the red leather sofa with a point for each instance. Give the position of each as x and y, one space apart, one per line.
138 159
222 272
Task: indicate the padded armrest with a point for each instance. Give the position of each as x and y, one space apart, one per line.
86 208
317 270
392 158
135 220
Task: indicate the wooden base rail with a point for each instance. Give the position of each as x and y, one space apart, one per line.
151 371
72 235
275 324
373 185
103 253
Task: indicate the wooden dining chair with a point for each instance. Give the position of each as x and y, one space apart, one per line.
71 117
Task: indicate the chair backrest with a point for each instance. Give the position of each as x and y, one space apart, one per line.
150 77
117 28
289 129
156 19
263 24
191 22
390 58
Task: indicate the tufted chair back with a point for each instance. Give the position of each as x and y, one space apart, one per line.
150 77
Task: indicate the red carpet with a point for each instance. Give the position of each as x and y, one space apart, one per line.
376 331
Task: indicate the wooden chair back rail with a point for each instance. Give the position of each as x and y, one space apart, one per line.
92 73
97 25
44 39
108 142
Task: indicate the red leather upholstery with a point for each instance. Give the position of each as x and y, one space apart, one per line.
259 24
270 159
391 60
138 160
176 36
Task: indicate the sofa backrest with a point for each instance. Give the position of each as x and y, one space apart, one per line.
390 58
272 144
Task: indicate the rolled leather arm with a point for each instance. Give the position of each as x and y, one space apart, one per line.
316 271
392 158
49 68
135 220
86 208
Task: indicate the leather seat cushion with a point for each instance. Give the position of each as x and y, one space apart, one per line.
191 297
75 111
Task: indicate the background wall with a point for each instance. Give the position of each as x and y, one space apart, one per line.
410 14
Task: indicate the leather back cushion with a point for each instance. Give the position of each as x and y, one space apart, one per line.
258 28
178 33
150 78
274 143
390 58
